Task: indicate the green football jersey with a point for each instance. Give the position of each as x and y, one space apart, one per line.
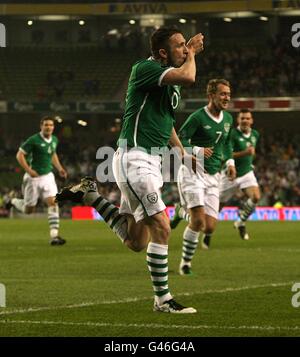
203 130
149 109
241 142
39 152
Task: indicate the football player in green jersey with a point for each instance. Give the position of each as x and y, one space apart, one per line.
244 140
148 126
207 131
37 156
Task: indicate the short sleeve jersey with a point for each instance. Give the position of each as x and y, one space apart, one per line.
203 130
149 109
241 142
39 152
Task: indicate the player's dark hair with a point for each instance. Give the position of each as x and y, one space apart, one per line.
160 39
46 118
212 85
245 110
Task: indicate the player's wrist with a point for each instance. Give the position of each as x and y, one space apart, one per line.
230 162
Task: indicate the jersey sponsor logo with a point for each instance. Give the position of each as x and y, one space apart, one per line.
241 139
43 144
226 127
152 197
207 127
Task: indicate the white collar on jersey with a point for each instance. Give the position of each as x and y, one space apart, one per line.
245 135
46 139
217 120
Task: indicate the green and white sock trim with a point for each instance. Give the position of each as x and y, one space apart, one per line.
190 243
184 214
53 220
109 212
19 204
157 260
247 209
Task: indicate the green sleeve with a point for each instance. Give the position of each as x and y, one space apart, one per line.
188 129
147 74
27 146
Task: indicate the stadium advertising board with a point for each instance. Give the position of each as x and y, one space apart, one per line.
227 214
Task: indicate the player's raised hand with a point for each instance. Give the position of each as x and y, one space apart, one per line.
196 43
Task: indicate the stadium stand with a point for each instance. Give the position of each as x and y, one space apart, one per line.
48 73
55 73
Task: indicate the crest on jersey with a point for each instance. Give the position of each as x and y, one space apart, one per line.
226 127
152 197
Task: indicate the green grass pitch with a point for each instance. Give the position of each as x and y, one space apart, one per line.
94 286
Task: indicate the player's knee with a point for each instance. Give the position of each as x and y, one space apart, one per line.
209 228
256 198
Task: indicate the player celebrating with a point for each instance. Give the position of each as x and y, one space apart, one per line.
152 96
37 155
244 140
208 131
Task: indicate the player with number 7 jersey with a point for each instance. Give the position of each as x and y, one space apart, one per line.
207 133
202 129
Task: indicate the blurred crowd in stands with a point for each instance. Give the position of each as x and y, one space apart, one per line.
277 167
272 70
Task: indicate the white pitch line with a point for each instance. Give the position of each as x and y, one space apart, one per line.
129 300
153 326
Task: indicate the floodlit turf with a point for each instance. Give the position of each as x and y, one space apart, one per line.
94 286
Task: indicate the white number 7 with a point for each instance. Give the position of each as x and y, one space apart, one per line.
219 133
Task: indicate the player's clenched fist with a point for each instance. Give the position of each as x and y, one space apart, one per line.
196 43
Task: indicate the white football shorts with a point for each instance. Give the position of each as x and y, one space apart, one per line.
138 176
229 188
33 188
199 190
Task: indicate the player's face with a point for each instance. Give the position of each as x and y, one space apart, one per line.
47 128
221 98
245 121
177 51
